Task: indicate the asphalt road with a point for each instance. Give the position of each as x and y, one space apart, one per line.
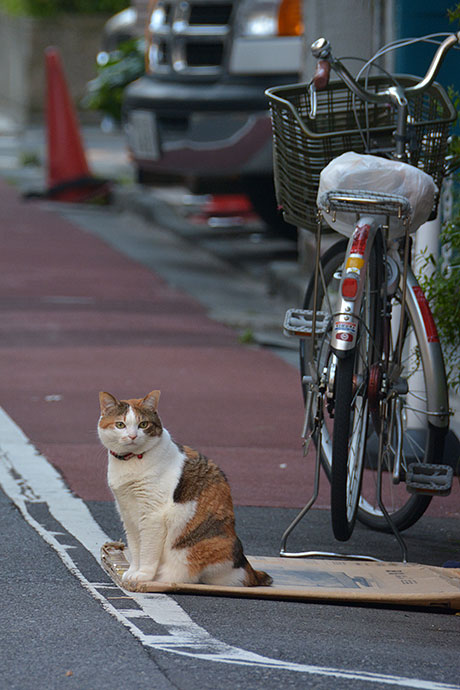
64 623
58 630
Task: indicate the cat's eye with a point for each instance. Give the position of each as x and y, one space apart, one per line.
120 425
143 425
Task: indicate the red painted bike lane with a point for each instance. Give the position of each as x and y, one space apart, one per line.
78 317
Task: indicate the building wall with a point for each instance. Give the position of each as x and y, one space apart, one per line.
22 44
420 17
354 27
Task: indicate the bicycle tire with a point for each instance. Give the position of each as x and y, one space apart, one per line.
351 405
406 509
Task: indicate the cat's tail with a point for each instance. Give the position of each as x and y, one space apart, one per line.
256 578
252 578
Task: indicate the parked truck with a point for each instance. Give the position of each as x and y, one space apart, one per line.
199 114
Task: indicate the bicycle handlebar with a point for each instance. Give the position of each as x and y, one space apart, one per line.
321 77
321 50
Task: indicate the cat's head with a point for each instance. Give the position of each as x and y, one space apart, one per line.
129 426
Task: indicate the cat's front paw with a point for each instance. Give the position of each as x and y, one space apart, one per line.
128 574
141 575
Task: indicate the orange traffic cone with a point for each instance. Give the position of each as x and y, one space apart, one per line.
69 177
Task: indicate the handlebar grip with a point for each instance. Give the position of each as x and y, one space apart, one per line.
321 76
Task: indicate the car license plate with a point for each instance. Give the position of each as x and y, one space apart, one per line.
142 134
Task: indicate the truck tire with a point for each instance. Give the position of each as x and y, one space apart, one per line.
261 192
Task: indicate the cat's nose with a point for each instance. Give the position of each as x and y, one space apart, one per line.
132 436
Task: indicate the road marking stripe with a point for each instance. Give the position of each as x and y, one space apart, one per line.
27 477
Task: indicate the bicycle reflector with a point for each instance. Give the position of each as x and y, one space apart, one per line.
349 288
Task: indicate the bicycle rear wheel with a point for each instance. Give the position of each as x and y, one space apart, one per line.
351 403
345 414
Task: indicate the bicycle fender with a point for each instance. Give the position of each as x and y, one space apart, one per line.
428 340
346 319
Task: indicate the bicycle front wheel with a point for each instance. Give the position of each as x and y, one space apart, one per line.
405 430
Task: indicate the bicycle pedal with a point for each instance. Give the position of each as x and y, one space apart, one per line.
298 323
432 480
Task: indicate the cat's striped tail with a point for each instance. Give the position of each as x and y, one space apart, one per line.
256 578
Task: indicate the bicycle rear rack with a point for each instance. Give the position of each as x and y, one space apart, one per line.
365 202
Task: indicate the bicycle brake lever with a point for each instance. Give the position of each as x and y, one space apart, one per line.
313 100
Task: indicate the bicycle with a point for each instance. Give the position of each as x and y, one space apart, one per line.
373 378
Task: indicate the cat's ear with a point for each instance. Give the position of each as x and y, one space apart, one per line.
108 403
151 400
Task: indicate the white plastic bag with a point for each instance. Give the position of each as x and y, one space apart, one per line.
359 172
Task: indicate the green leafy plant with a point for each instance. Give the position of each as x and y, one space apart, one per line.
30 158
49 8
454 14
247 337
440 277
115 70
440 280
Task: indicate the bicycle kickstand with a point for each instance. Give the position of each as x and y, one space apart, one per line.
317 430
397 463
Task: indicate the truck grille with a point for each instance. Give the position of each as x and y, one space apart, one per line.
188 37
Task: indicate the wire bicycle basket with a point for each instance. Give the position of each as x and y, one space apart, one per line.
302 146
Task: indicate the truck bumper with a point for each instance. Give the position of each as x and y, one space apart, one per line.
199 130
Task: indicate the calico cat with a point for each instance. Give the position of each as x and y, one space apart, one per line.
175 504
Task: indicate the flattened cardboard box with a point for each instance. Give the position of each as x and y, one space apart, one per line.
405 584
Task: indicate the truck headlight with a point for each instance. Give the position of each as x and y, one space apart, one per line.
264 18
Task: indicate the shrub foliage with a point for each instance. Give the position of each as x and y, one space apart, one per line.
49 8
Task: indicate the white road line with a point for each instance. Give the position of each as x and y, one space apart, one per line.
27 477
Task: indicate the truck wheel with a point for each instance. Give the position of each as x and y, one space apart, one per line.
261 192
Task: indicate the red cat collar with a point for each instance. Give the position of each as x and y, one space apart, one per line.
127 456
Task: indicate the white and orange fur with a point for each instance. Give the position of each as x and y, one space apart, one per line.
175 503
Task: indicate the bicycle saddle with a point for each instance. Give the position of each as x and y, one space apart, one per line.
354 172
